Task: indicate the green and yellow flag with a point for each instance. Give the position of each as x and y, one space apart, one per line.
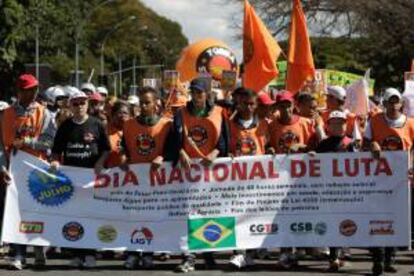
209 233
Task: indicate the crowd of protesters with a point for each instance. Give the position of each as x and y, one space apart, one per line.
88 128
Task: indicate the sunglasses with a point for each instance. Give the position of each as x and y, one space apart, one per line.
78 103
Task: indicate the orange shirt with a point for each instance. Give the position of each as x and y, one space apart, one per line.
203 131
115 138
244 142
391 138
21 127
145 143
283 137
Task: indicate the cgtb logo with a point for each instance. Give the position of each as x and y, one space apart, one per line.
142 236
264 229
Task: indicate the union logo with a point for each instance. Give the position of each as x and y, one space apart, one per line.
50 188
145 144
287 140
392 143
215 60
246 146
199 135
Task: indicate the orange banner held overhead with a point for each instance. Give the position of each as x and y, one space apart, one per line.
300 60
260 51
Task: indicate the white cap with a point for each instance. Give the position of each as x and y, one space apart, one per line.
391 92
102 90
69 90
88 86
337 91
3 105
337 115
78 95
53 92
133 100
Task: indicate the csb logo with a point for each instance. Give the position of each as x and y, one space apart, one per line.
142 236
264 229
319 228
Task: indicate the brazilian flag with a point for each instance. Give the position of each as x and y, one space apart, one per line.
209 233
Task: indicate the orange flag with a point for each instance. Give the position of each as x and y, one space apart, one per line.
260 51
300 60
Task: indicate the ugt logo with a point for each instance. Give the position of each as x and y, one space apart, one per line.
142 236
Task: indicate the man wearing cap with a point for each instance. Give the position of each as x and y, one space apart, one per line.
388 131
27 126
336 141
88 88
290 133
81 141
96 107
199 131
335 100
55 96
265 106
103 91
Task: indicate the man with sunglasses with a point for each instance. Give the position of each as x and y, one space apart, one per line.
81 141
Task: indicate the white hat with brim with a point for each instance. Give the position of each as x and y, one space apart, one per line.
102 90
88 86
3 105
337 91
391 92
78 95
133 100
337 115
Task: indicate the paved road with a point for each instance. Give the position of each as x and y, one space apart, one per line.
360 265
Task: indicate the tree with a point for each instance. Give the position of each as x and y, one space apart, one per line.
380 31
59 23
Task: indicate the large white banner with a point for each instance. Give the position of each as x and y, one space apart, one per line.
344 199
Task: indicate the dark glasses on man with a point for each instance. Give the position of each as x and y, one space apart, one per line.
78 103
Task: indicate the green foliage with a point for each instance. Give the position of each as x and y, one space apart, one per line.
62 23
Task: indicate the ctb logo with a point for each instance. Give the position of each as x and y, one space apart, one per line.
31 227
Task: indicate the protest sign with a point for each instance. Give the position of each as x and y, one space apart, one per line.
249 202
170 79
228 80
154 83
408 95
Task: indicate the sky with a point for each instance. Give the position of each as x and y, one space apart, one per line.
202 19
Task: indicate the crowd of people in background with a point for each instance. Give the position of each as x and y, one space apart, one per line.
89 128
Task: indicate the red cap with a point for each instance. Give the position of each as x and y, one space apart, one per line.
96 97
265 99
26 81
285 96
